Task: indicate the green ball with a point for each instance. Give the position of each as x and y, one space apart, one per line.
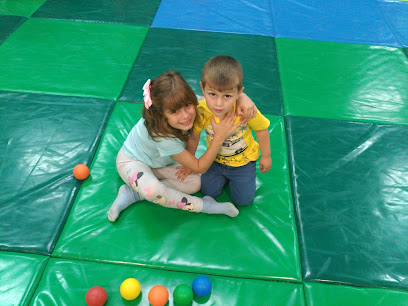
183 295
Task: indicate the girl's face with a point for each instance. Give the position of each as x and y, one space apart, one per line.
182 118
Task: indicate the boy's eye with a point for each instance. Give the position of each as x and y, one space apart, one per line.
212 94
228 96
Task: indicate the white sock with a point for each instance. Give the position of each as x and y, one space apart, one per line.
126 197
211 206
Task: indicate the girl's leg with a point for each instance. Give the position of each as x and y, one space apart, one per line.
167 176
141 179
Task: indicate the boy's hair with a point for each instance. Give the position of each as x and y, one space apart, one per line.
222 72
169 91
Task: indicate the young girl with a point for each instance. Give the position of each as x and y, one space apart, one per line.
146 161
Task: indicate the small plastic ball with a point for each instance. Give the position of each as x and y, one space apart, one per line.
96 296
183 295
81 172
130 289
202 285
158 296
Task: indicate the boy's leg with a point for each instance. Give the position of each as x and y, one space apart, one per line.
167 176
213 181
242 183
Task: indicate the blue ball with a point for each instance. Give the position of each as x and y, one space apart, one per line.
202 285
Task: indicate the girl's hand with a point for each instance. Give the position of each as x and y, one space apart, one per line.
265 163
245 108
226 125
183 172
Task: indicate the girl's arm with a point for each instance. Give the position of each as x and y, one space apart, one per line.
245 108
221 131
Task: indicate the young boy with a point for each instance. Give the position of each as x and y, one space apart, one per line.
221 83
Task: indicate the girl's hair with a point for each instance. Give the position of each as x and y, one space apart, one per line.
169 91
222 72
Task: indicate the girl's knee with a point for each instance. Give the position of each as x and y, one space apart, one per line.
193 183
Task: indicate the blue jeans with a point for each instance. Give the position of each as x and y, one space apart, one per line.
241 181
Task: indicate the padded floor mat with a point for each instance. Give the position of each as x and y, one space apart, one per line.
350 188
69 58
137 12
344 81
260 243
187 52
43 138
20 275
65 282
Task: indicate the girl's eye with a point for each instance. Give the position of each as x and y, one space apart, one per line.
188 104
174 111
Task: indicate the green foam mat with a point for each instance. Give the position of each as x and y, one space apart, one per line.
20 275
138 12
351 197
19 7
344 81
43 138
8 24
66 282
336 295
260 243
187 52
69 58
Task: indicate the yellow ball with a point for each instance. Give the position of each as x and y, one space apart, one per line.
130 289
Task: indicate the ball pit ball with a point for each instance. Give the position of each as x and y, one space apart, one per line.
158 296
81 172
130 289
96 296
202 285
183 295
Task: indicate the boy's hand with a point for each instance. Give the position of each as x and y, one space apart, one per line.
265 163
183 172
226 125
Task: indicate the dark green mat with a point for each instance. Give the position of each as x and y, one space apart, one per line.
334 295
350 188
137 12
20 275
69 58
344 81
8 24
187 52
19 7
66 282
260 243
43 138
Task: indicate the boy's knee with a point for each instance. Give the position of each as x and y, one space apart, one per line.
241 201
209 192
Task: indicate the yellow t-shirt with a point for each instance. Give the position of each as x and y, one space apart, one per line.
240 147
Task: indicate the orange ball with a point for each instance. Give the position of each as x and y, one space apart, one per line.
81 171
158 296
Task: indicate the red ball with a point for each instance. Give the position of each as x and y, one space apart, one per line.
96 296
81 171
158 296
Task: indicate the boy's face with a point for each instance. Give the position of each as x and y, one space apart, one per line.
220 102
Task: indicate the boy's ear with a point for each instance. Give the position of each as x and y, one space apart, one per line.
241 91
201 85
